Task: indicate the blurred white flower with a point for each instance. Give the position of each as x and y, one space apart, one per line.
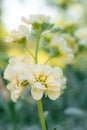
46 80
17 35
81 33
39 18
65 54
17 73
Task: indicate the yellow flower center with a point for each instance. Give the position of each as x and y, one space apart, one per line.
41 78
24 83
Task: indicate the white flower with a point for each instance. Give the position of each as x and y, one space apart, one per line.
42 79
17 73
46 80
16 89
64 52
81 33
16 66
17 35
39 18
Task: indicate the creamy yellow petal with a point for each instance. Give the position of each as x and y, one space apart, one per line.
53 95
36 93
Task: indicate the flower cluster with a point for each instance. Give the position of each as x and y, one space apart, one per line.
16 73
18 35
39 19
61 48
81 35
42 79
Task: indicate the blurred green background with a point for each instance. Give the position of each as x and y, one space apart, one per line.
69 111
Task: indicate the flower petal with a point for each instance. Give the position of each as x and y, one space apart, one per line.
53 95
37 93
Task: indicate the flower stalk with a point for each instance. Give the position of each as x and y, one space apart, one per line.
41 78
29 52
36 51
40 113
39 102
47 61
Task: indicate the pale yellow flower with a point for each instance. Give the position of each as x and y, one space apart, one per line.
65 54
46 80
42 79
39 18
17 35
16 67
16 89
17 73
81 33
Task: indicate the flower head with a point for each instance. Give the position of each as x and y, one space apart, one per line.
63 52
17 73
81 33
42 79
46 80
17 35
39 18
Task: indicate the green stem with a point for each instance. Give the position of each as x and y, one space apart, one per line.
36 51
41 116
39 103
13 116
47 61
30 52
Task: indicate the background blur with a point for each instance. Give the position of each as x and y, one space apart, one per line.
69 112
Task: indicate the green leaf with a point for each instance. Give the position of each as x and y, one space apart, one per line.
36 26
45 42
22 41
47 26
53 52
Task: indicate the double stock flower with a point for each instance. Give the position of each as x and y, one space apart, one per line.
42 79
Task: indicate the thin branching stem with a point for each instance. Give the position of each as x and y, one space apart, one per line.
30 52
46 61
39 102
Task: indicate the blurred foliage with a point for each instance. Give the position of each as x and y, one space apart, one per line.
65 3
69 112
